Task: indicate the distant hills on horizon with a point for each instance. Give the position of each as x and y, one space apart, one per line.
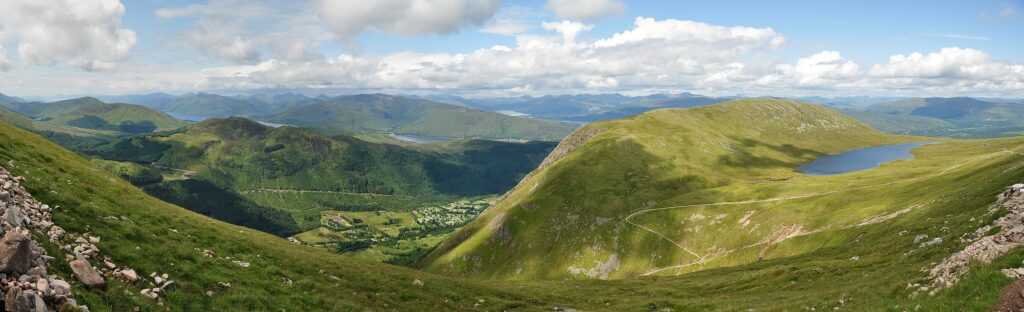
550 117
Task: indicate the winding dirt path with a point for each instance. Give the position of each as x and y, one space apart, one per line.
702 259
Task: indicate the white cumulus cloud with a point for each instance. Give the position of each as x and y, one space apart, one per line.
83 33
5 63
947 63
821 69
349 18
951 68
585 9
652 54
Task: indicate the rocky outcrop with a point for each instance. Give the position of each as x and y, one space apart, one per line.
24 280
985 247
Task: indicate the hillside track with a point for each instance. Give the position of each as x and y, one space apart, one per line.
703 259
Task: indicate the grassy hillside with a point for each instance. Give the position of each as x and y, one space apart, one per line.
384 113
116 117
57 132
91 114
676 191
819 273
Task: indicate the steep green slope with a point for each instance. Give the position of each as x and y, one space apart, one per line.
675 191
378 112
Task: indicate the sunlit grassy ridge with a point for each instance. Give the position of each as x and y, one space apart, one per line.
597 212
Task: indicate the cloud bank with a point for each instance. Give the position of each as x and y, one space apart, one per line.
83 33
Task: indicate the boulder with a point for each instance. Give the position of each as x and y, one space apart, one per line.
60 287
18 300
130 275
11 297
86 274
38 303
15 253
14 216
42 285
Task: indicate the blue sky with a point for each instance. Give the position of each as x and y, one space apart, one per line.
830 48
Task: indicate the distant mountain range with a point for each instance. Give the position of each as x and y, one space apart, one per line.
950 117
368 112
386 113
524 117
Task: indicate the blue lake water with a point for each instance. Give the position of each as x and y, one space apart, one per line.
859 159
418 139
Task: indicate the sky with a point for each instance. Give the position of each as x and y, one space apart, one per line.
480 48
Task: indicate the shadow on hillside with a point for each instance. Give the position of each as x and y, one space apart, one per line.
206 198
744 155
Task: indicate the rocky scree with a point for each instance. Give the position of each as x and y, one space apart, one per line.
985 246
24 280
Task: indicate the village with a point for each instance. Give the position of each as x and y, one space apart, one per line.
384 235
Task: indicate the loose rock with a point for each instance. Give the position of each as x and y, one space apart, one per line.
15 253
86 274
